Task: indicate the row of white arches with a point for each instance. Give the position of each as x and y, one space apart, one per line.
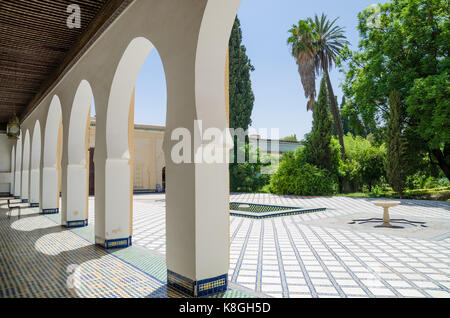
51 154
27 154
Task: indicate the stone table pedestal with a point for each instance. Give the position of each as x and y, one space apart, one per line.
386 205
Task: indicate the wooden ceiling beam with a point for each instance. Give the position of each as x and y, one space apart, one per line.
81 44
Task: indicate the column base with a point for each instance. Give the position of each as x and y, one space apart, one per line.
116 243
24 200
199 288
75 224
50 211
16 197
34 205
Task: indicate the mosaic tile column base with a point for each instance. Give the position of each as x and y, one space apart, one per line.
74 224
16 197
24 200
199 288
34 205
50 211
116 243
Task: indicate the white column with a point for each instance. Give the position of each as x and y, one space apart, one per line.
17 184
13 171
117 203
197 199
18 168
34 188
50 195
25 184
100 168
76 214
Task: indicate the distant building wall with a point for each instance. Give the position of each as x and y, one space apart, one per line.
148 155
268 146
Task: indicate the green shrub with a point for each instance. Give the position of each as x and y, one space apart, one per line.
295 176
423 180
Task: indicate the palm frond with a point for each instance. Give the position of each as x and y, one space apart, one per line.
315 44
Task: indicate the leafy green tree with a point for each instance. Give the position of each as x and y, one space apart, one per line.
405 50
396 165
317 143
365 162
242 175
316 44
430 97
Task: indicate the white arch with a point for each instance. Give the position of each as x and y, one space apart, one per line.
191 197
18 167
119 119
26 168
50 174
77 168
51 132
78 120
120 96
35 165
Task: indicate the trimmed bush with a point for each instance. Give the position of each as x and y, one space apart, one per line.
296 177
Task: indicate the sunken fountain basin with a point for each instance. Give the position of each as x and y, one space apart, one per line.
263 211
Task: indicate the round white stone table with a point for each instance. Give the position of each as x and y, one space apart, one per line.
386 205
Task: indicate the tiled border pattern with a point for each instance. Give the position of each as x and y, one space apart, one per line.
181 283
24 200
74 224
50 211
118 243
34 205
197 288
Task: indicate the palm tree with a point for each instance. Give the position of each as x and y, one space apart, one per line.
315 44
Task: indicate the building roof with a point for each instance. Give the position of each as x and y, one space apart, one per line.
139 126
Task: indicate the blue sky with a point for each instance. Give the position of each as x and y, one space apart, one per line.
279 97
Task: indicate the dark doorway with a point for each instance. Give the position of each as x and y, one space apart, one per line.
91 172
164 179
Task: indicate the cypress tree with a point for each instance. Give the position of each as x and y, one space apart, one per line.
318 150
396 165
241 99
241 94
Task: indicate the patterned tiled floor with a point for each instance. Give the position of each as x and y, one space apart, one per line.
41 259
310 255
289 257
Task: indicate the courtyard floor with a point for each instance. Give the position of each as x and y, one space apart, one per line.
310 255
